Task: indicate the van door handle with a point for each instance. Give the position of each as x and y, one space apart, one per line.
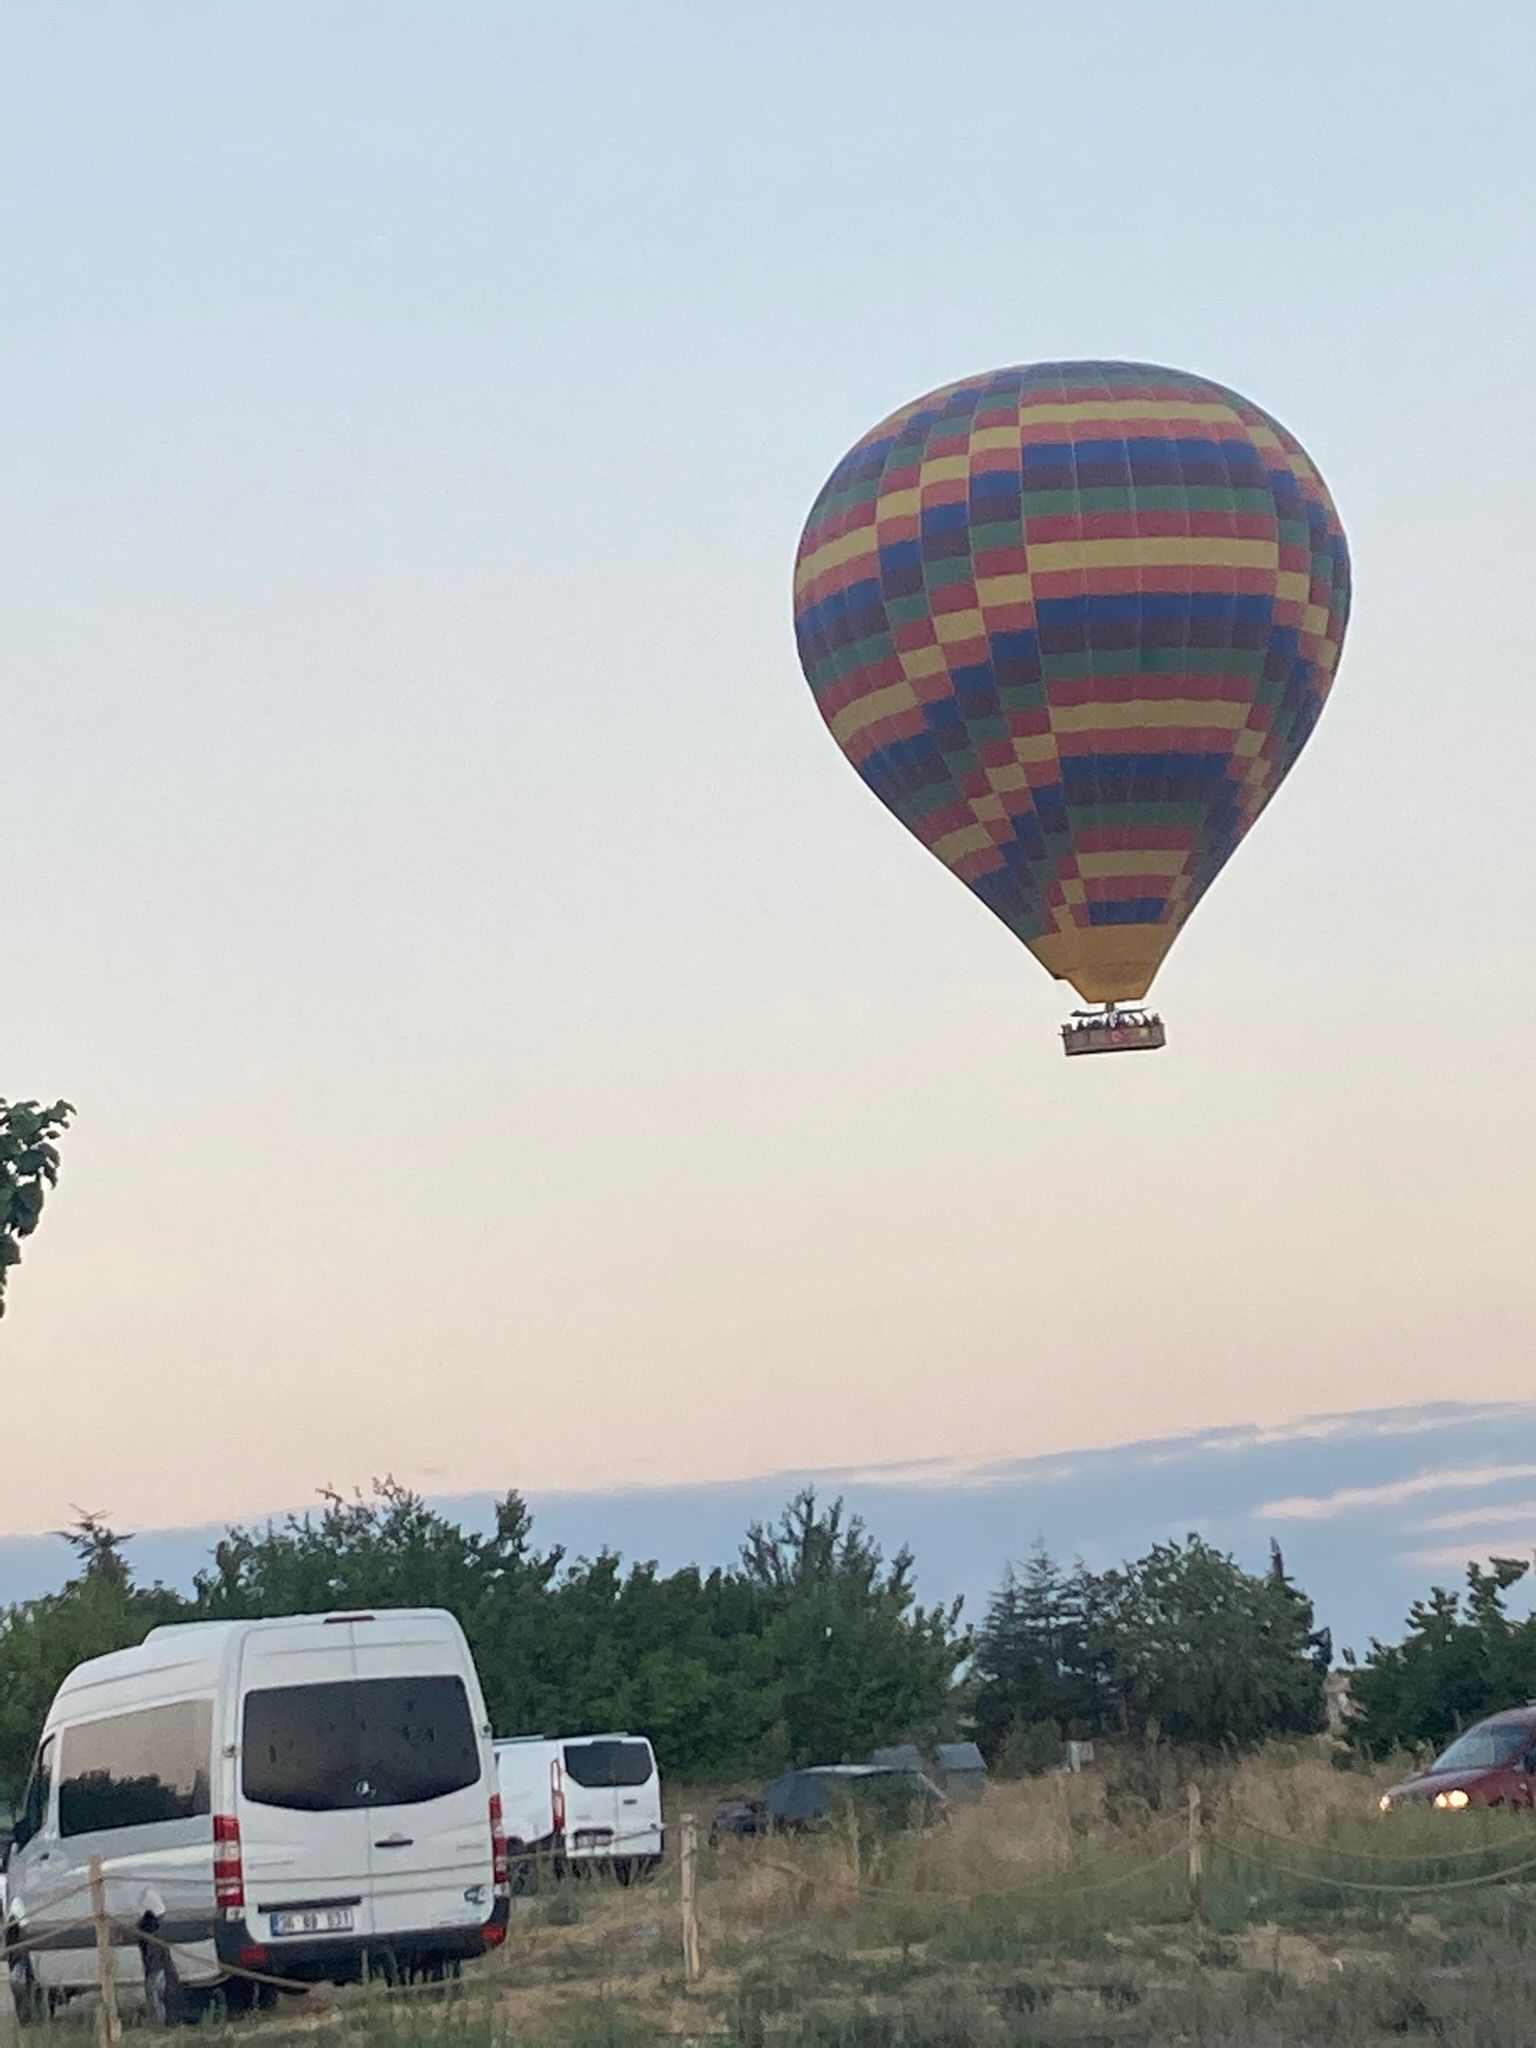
395 1842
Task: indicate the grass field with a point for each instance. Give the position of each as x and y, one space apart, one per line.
1057 1911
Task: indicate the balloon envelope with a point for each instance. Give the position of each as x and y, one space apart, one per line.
1073 623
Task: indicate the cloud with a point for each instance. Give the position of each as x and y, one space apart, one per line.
1476 1549
1511 1513
963 1471
976 1470
1304 1507
1425 1420
1405 1422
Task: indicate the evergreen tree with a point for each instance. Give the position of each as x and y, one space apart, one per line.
1463 1656
1033 1664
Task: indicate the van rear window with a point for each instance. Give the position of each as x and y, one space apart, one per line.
358 1742
600 1764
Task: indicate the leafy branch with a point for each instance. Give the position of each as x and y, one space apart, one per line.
29 1166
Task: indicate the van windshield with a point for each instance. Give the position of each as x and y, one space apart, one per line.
1485 1749
358 1742
601 1764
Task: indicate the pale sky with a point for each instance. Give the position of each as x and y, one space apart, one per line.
511 1046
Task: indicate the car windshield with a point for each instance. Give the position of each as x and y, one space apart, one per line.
1485 1749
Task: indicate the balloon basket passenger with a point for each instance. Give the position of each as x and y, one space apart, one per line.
1112 1030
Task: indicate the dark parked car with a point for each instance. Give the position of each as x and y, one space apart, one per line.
739 1817
807 1798
1493 1764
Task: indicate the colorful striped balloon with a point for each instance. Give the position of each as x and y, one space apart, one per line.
1073 623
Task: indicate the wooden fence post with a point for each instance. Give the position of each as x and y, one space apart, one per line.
109 2027
689 1867
1196 1855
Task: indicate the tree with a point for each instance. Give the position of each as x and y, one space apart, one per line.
1304 1713
674 1654
847 1656
812 1648
1033 1668
99 1609
385 1548
1201 1652
388 1548
29 1166
1462 1657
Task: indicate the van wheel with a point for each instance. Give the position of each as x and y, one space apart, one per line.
239 1995
167 2001
32 2001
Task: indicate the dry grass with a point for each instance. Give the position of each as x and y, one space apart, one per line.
1032 1920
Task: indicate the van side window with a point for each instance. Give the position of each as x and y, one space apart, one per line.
33 1812
358 1742
132 1770
602 1764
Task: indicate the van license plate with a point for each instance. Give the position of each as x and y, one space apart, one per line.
314 1920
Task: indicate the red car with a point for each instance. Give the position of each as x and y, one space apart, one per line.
1492 1764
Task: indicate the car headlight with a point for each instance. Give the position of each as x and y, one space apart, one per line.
1384 1803
1455 1800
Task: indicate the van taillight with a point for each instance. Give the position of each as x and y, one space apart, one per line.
556 1798
228 1870
501 1872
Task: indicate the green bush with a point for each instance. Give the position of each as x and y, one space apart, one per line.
1032 1748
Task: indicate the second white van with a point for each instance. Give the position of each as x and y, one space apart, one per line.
581 1802
306 1799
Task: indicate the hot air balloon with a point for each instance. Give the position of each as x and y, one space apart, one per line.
1073 623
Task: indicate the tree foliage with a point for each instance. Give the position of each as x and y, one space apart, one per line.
1182 1643
100 1609
847 1656
811 1649
1208 1654
812 1645
1463 1656
29 1167
1036 1666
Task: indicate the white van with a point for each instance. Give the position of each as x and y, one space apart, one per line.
310 1798
583 1802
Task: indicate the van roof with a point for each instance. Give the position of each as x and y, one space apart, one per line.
206 1630
602 1735
202 1646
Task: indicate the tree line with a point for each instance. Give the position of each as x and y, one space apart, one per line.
811 1646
